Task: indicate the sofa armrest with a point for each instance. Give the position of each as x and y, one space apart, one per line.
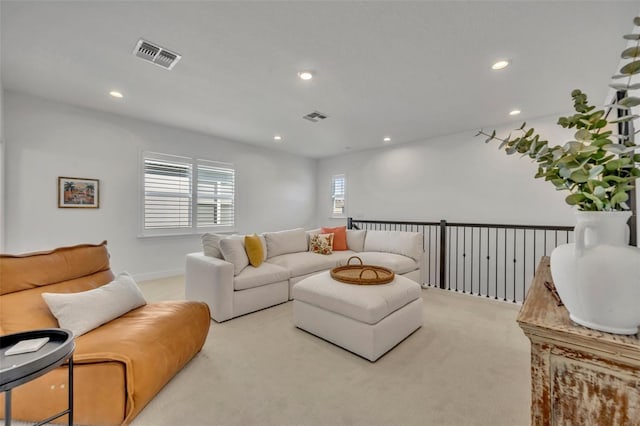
210 280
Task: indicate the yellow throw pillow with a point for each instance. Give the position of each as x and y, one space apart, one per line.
253 246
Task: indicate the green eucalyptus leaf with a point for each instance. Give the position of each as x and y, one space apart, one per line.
632 67
595 171
613 178
631 36
583 135
619 76
579 176
629 101
625 119
636 21
619 197
613 165
631 52
599 192
574 199
625 86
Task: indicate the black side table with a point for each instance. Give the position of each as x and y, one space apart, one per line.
22 368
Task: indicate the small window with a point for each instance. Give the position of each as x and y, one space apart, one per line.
183 195
338 184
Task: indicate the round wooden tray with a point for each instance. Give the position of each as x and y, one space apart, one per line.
362 274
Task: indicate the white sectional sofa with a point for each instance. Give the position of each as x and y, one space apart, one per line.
224 280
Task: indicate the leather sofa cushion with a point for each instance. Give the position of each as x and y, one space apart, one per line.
252 277
365 303
30 270
303 263
396 262
153 342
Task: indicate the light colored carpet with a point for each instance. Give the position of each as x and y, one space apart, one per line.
468 365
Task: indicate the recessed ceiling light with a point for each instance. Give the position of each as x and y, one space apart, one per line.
500 65
305 75
116 94
277 138
514 112
387 139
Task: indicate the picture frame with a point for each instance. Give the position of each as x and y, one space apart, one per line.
76 192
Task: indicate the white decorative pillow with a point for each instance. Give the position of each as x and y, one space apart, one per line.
211 245
283 242
355 239
233 251
84 311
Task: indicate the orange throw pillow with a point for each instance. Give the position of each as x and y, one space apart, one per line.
339 237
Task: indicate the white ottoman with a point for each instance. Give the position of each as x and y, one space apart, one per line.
368 320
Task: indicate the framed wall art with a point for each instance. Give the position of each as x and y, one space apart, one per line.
78 193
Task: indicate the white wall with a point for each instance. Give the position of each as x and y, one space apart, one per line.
2 166
46 139
457 177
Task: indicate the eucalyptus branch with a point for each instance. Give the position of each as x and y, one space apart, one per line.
597 171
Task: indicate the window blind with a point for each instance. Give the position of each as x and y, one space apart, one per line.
338 195
183 194
215 195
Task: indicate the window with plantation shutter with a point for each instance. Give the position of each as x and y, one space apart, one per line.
338 195
215 195
186 195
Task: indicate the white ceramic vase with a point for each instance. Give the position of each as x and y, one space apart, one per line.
598 276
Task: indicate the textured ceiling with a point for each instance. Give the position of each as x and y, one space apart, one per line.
408 70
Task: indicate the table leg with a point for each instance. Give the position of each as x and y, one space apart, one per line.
7 408
70 386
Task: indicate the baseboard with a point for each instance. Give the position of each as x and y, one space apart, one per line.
157 275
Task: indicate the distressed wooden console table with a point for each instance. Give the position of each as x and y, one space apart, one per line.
579 376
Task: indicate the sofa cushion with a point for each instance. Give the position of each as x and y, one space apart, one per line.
233 252
339 237
368 304
404 243
253 247
396 262
321 244
355 239
267 273
33 270
307 262
211 245
153 341
283 242
84 311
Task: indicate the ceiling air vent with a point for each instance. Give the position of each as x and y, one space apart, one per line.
315 116
155 54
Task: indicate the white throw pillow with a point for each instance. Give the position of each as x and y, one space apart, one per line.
405 243
355 239
233 251
283 242
211 245
84 311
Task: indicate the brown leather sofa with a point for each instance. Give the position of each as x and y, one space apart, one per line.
118 367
